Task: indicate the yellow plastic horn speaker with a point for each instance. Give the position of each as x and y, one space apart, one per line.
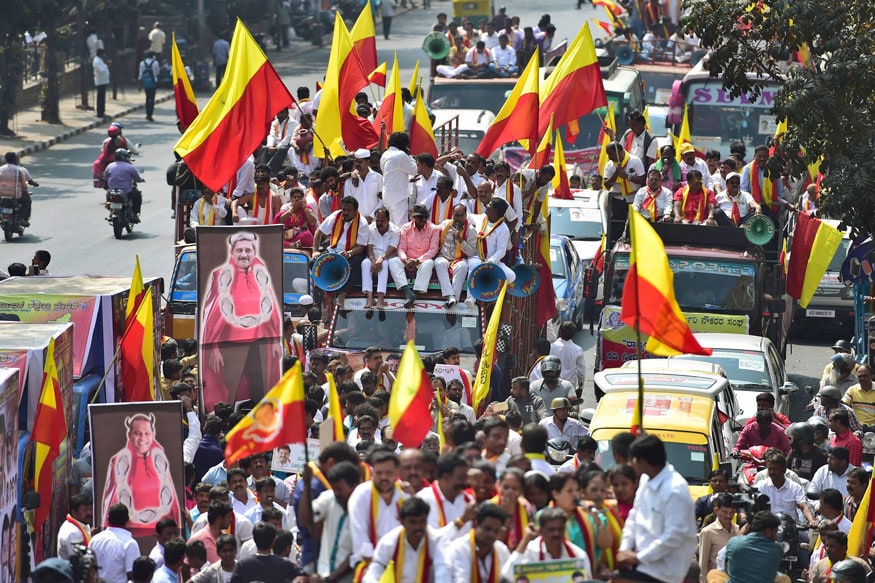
526 283
484 282
330 271
436 45
758 229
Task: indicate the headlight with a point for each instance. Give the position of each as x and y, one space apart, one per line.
561 304
786 546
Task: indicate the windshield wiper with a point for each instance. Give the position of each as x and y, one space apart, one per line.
749 385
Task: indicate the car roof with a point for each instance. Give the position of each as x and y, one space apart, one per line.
665 376
678 364
663 410
732 341
587 198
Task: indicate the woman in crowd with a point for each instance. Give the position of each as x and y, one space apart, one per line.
510 497
584 527
624 484
593 488
298 222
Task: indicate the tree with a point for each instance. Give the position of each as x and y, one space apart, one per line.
17 17
829 102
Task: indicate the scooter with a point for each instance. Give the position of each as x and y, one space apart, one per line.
10 217
752 463
121 212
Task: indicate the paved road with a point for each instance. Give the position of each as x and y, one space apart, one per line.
69 219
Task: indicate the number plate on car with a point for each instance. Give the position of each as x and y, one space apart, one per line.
820 313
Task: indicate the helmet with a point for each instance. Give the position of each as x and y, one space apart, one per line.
818 423
114 131
842 345
849 570
122 155
551 363
830 391
558 451
117 124
801 433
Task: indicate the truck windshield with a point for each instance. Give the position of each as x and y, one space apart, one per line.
717 119
689 459
467 95
430 330
580 223
701 284
184 285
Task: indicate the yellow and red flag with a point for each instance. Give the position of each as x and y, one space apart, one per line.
518 117
421 131
137 353
378 75
605 26
648 302
814 244
238 115
335 412
578 75
605 139
135 296
543 152
364 38
410 400
391 110
483 380
561 187
49 433
609 5
414 80
545 305
860 535
684 137
186 104
337 123
278 419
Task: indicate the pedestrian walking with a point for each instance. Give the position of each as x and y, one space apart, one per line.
387 9
101 80
149 82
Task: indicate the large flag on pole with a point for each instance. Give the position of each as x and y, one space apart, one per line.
410 400
137 353
684 137
414 80
574 88
482 382
391 110
421 131
49 433
518 117
648 302
364 38
186 104
238 115
138 290
561 187
278 419
860 535
337 123
814 244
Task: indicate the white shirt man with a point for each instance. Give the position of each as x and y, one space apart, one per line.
244 182
457 244
491 40
536 553
424 187
379 245
243 507
444 512
493 237
461 561
409 571
336 541
701 166
653 203
504 57
785 499
369 187
209 212
281 133
826 478
511 194
116 551
71 533
560 425
573 360
634 167
361 237
360 518
398 168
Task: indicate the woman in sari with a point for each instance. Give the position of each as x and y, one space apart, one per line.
584 527
298 223
593 487
510 497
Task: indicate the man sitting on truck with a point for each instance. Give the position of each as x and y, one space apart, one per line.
417 248
654 200
694 204
734 205
347 230
503 59
689 161
478 61
458 242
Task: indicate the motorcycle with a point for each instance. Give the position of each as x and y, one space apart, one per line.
121 212
10 217
752 463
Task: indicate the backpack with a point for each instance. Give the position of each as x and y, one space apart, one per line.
148 77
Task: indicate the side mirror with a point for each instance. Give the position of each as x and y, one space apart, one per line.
788 389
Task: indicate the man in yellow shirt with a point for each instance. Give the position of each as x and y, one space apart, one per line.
861 397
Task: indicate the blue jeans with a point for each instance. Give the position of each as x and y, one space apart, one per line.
503 72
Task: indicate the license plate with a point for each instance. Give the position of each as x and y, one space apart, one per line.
6 211
820 313
115 205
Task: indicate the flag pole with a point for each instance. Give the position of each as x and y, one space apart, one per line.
639 406
312 120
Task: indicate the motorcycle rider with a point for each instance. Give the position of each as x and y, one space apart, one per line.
784 496
834 475
114 141
804 458
550 386
13 183
842 373
821 432
123 175
837 565
766 402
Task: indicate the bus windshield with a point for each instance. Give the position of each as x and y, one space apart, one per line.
701 285
717 119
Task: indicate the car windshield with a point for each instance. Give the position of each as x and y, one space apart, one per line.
688 459
430 330
746 369
839 257
701 284
717 119
466 95
579 223
557 264
184 286
296 276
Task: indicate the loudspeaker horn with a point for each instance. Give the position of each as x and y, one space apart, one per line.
436 45
526 283
758 229
625 55
330 271
484 282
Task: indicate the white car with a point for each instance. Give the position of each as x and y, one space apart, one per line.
753 365
472 126
582 220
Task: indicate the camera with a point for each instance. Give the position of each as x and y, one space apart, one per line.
750 502
84 563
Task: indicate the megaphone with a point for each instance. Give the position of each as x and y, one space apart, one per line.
758 229
484 282
330 271
436 45
526 283
625 55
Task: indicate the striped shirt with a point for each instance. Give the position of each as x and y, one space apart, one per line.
862 402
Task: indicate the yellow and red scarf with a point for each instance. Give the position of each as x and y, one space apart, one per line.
255 206
700 211
444 233
375 511
649 203
625 186
492 576
736 213
211 217
82 528
482 247
615 526
763 192
423 564
520 522
337 232
439 215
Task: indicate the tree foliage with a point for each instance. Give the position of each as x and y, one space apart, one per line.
829 103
